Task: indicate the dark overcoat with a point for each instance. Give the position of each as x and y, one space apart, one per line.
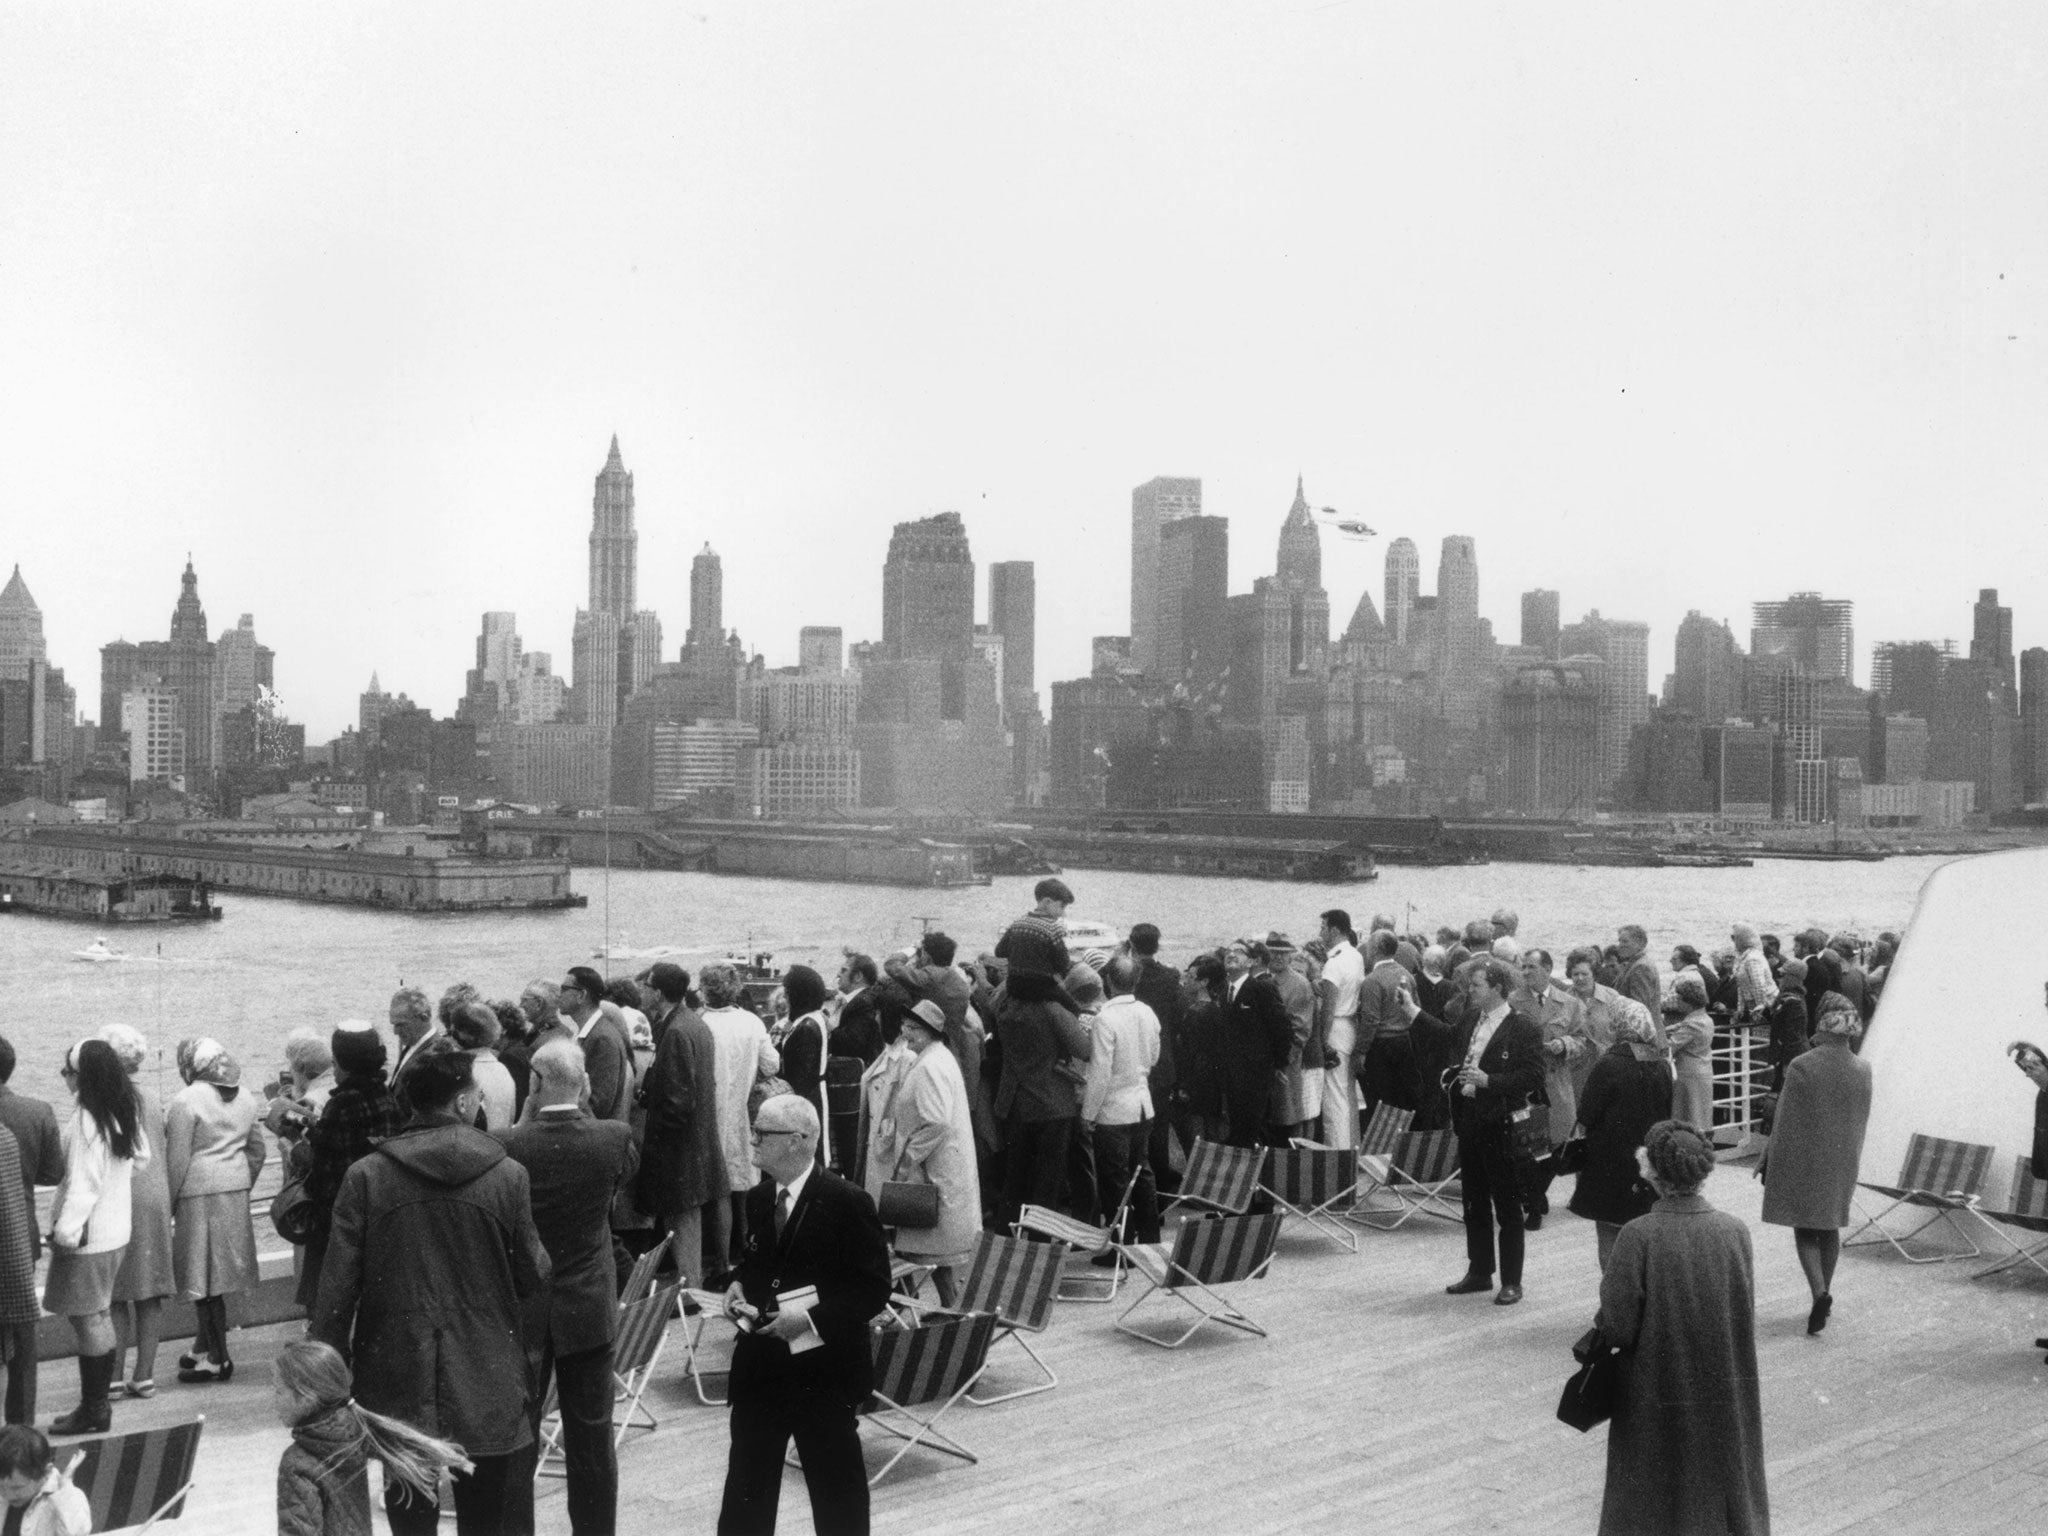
1624 1097
1817 1139
1685 1451
681 1166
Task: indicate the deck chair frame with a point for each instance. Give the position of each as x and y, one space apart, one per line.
1207 1251
1376 1146
636 1350
1942 1177
105 1515
2026 1210
968 1332
1081 1238
710 1304
1419 1172
1294 1180
1220 1178
1023 1305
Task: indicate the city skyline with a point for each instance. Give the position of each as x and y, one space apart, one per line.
1665 312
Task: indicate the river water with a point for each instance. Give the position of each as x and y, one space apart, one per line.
270 965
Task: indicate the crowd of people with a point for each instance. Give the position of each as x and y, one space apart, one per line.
464 1196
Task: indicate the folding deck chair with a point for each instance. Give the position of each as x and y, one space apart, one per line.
1941 1176
1419 1171
1219 1178
1081 1238
1207 1251
937 1362
710 1305
134 1481
2026 1210
1309 1181
643 1333
1376 1146
1017 1280
641 1277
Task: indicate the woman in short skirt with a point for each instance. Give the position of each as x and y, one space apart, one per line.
214 1147
145 1277
104 1142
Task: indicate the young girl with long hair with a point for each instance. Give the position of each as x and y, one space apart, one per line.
323 1482
104 1142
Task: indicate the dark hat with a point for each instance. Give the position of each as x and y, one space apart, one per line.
358 1048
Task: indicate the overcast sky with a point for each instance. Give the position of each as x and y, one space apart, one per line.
1669 309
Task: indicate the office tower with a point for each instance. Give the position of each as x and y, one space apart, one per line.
2033 724
1991 635
1192 641
1550 735
1706 679
497 652
118 664
1974 731
1153 505
1300 563
928 591
185 665
25 660
820 650
1808 631
1457 607
372 705
1280 630
1539 621
1624 646
707 603
1796 712
1013 614
152 714
1403 586
615 646
1909 672
241 668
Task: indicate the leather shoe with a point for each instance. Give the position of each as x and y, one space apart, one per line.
1817 1319
1509 1295
1533 1222
1471 1285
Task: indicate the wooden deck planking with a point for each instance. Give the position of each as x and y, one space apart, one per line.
1379 1403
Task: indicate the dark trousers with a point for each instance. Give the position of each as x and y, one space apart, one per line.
21 1373
1119 1149
1493 1197
1387 1074
1034 1164
1159 1145
827 1447
488 1501
583 1396
1081 1177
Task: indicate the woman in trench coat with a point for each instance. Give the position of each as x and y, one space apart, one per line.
1809 1171
926 1136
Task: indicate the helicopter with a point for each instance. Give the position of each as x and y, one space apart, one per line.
1351 527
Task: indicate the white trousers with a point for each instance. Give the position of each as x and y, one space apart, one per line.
1340 1086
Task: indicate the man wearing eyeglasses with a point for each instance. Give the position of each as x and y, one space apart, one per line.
801 1367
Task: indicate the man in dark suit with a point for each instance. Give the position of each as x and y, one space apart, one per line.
41 1145
1257 1038
800 1373
1159 989
1501 1070
857 1031
574 1165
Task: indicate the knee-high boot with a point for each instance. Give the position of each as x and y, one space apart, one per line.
94 1415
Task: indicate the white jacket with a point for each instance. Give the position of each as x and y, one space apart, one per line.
93 1206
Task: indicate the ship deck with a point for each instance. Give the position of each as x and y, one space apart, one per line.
1377 1404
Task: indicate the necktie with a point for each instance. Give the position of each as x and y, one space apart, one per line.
781 1212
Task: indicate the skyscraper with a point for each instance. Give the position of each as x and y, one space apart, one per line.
1991 635
820 650
1808 630
1705 678
1403 585
1153 505
25 659
1192 641
241 668
615 647
1457 607
1013 614
928 590
707 602
1539 621
185 665
2033 724
1624 682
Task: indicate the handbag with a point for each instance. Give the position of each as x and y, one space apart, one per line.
1571 1157
294 1215
914 1206
1529 1132
1766 1113
1591 1395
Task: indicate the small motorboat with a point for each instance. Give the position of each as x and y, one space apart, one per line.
98 952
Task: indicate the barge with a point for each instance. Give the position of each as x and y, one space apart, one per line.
1310 860
50 890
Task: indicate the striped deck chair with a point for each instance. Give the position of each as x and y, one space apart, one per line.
1309 1182
1941 1176
641 1277
1017 1280
133 1481
710 1307
1080 1238
1219 1178
932 1365
2026 1210
1420 1169
643 1332
1376 1146
1207 1251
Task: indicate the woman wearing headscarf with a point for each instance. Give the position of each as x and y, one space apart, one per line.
1628 1091
214 1150
1685 1453
104 1142
927 1137
1809 1170
359 1113
803 1043
1690 1031
146 1276
1790 1028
